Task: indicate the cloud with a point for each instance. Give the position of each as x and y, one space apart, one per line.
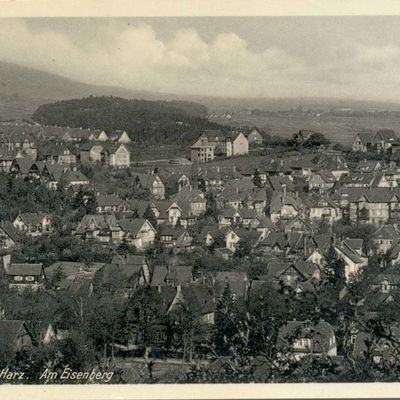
133 56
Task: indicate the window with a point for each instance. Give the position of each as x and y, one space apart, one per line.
29 278
18 278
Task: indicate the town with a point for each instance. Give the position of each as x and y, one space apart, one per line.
252 260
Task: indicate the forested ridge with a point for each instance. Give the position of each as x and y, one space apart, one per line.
149 121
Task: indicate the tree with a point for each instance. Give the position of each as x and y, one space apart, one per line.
257 178
316 140
149 215
143 314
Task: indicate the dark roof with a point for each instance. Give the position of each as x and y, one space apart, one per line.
9 330
133 226
25 269
200 299
320 333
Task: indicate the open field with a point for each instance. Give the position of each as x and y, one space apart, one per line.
338 129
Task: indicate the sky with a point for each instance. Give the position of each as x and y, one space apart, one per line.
335 57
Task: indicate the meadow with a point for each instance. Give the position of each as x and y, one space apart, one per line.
338 129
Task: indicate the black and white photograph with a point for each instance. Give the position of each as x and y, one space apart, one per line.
199 199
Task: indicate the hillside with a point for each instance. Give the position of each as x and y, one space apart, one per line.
145 121
23 89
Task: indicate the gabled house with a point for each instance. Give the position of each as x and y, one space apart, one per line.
176 238
384 238
103 228
15 336
25 275
195 199
25 167
134 267
137 232
284 205
254 137
116 156
363 142
33 224
103 137
152 183
9 236
74 179
305 338
325 210
58 153
238 282
321 181
384 139
386 282
236 144
350 252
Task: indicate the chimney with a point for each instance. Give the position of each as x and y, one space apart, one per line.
284 191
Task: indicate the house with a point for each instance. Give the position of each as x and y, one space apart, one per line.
134 268
103 228
6 159
368 165
26 168
199 300
231 238
116 156
52 175
59 153
9 236
137 232
103 137
386 282
317 247
350 252
306 338
176 214
74 179
202 151
375 206
91 153
15 336
121 137
275 243
321 180
254 137
176 238
71 268
383 140
384 238
172 275
150 182
291 273
236 144
284 205
25 275
323 209
195 199
109 203
33 224
363 142
238 282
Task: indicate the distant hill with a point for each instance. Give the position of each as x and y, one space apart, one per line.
23 89
145 121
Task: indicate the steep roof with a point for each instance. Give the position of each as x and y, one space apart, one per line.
9 330
320 333
365 137
133 226
25 269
